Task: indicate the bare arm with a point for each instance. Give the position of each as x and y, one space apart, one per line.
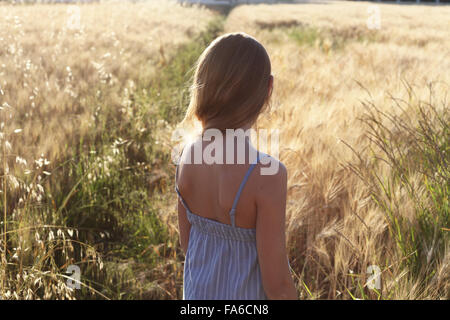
270 236
183 225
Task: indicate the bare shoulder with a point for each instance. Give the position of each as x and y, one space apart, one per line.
184 160
271 192
272 176
187 153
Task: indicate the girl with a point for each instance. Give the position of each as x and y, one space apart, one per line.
232 217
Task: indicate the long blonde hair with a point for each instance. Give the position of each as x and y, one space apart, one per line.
231 83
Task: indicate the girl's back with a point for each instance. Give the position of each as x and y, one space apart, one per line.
220 203
231 217
211 189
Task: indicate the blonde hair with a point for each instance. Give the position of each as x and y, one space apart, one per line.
231 83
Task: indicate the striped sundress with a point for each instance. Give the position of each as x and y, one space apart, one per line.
221 260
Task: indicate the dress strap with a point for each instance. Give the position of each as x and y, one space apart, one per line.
176 187
179 194
241 187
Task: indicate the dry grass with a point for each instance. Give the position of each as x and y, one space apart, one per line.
66 89
57 76
84 87
319 84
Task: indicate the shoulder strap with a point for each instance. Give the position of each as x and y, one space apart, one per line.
241 187
176 187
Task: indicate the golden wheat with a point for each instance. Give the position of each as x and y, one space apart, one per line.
57 62
60 66
57 73
316 105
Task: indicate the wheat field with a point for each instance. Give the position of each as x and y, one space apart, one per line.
91 95
316 105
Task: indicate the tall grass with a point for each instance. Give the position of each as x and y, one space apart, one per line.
368 179
325 61
91 203
413 148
